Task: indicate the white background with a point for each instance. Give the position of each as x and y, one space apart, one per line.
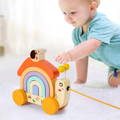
40 23
47 29
79 108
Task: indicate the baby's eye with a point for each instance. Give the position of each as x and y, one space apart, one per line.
64 13
72 13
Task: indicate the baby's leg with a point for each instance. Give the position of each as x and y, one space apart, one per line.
114 77
81 70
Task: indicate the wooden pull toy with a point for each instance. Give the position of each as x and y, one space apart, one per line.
39 84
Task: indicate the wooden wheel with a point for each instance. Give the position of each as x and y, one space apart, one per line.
19 96
50 105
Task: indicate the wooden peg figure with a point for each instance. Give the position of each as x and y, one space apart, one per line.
37 55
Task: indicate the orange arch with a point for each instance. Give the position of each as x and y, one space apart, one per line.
43 64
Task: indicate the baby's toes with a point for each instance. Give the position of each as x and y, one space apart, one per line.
113 81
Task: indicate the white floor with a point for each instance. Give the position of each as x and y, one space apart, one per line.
79 108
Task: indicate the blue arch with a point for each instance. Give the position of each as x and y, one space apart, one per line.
35 78
35 90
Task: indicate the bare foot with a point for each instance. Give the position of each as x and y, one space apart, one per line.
114 81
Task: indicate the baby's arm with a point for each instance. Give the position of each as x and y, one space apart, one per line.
84 49
80 51
81 70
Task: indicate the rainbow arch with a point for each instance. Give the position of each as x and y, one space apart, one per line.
37 86
37 74
41 85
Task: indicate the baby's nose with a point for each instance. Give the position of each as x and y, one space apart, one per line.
69 19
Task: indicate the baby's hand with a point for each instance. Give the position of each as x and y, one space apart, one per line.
63 58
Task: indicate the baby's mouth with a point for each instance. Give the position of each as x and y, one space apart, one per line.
73 22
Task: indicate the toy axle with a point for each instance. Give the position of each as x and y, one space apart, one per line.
92 98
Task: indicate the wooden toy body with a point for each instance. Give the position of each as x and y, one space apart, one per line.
39 85
62 91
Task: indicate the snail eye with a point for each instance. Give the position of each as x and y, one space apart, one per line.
68 88
60 84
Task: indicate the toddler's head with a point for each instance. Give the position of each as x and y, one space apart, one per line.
78 12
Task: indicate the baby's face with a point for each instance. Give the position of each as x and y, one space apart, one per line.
76 12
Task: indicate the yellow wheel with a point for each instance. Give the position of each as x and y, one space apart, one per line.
50 105
19 97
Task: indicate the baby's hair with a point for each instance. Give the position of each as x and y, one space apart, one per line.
90 1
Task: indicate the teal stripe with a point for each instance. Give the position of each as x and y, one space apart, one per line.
34 78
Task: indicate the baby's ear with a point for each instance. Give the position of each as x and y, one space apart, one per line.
93 6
